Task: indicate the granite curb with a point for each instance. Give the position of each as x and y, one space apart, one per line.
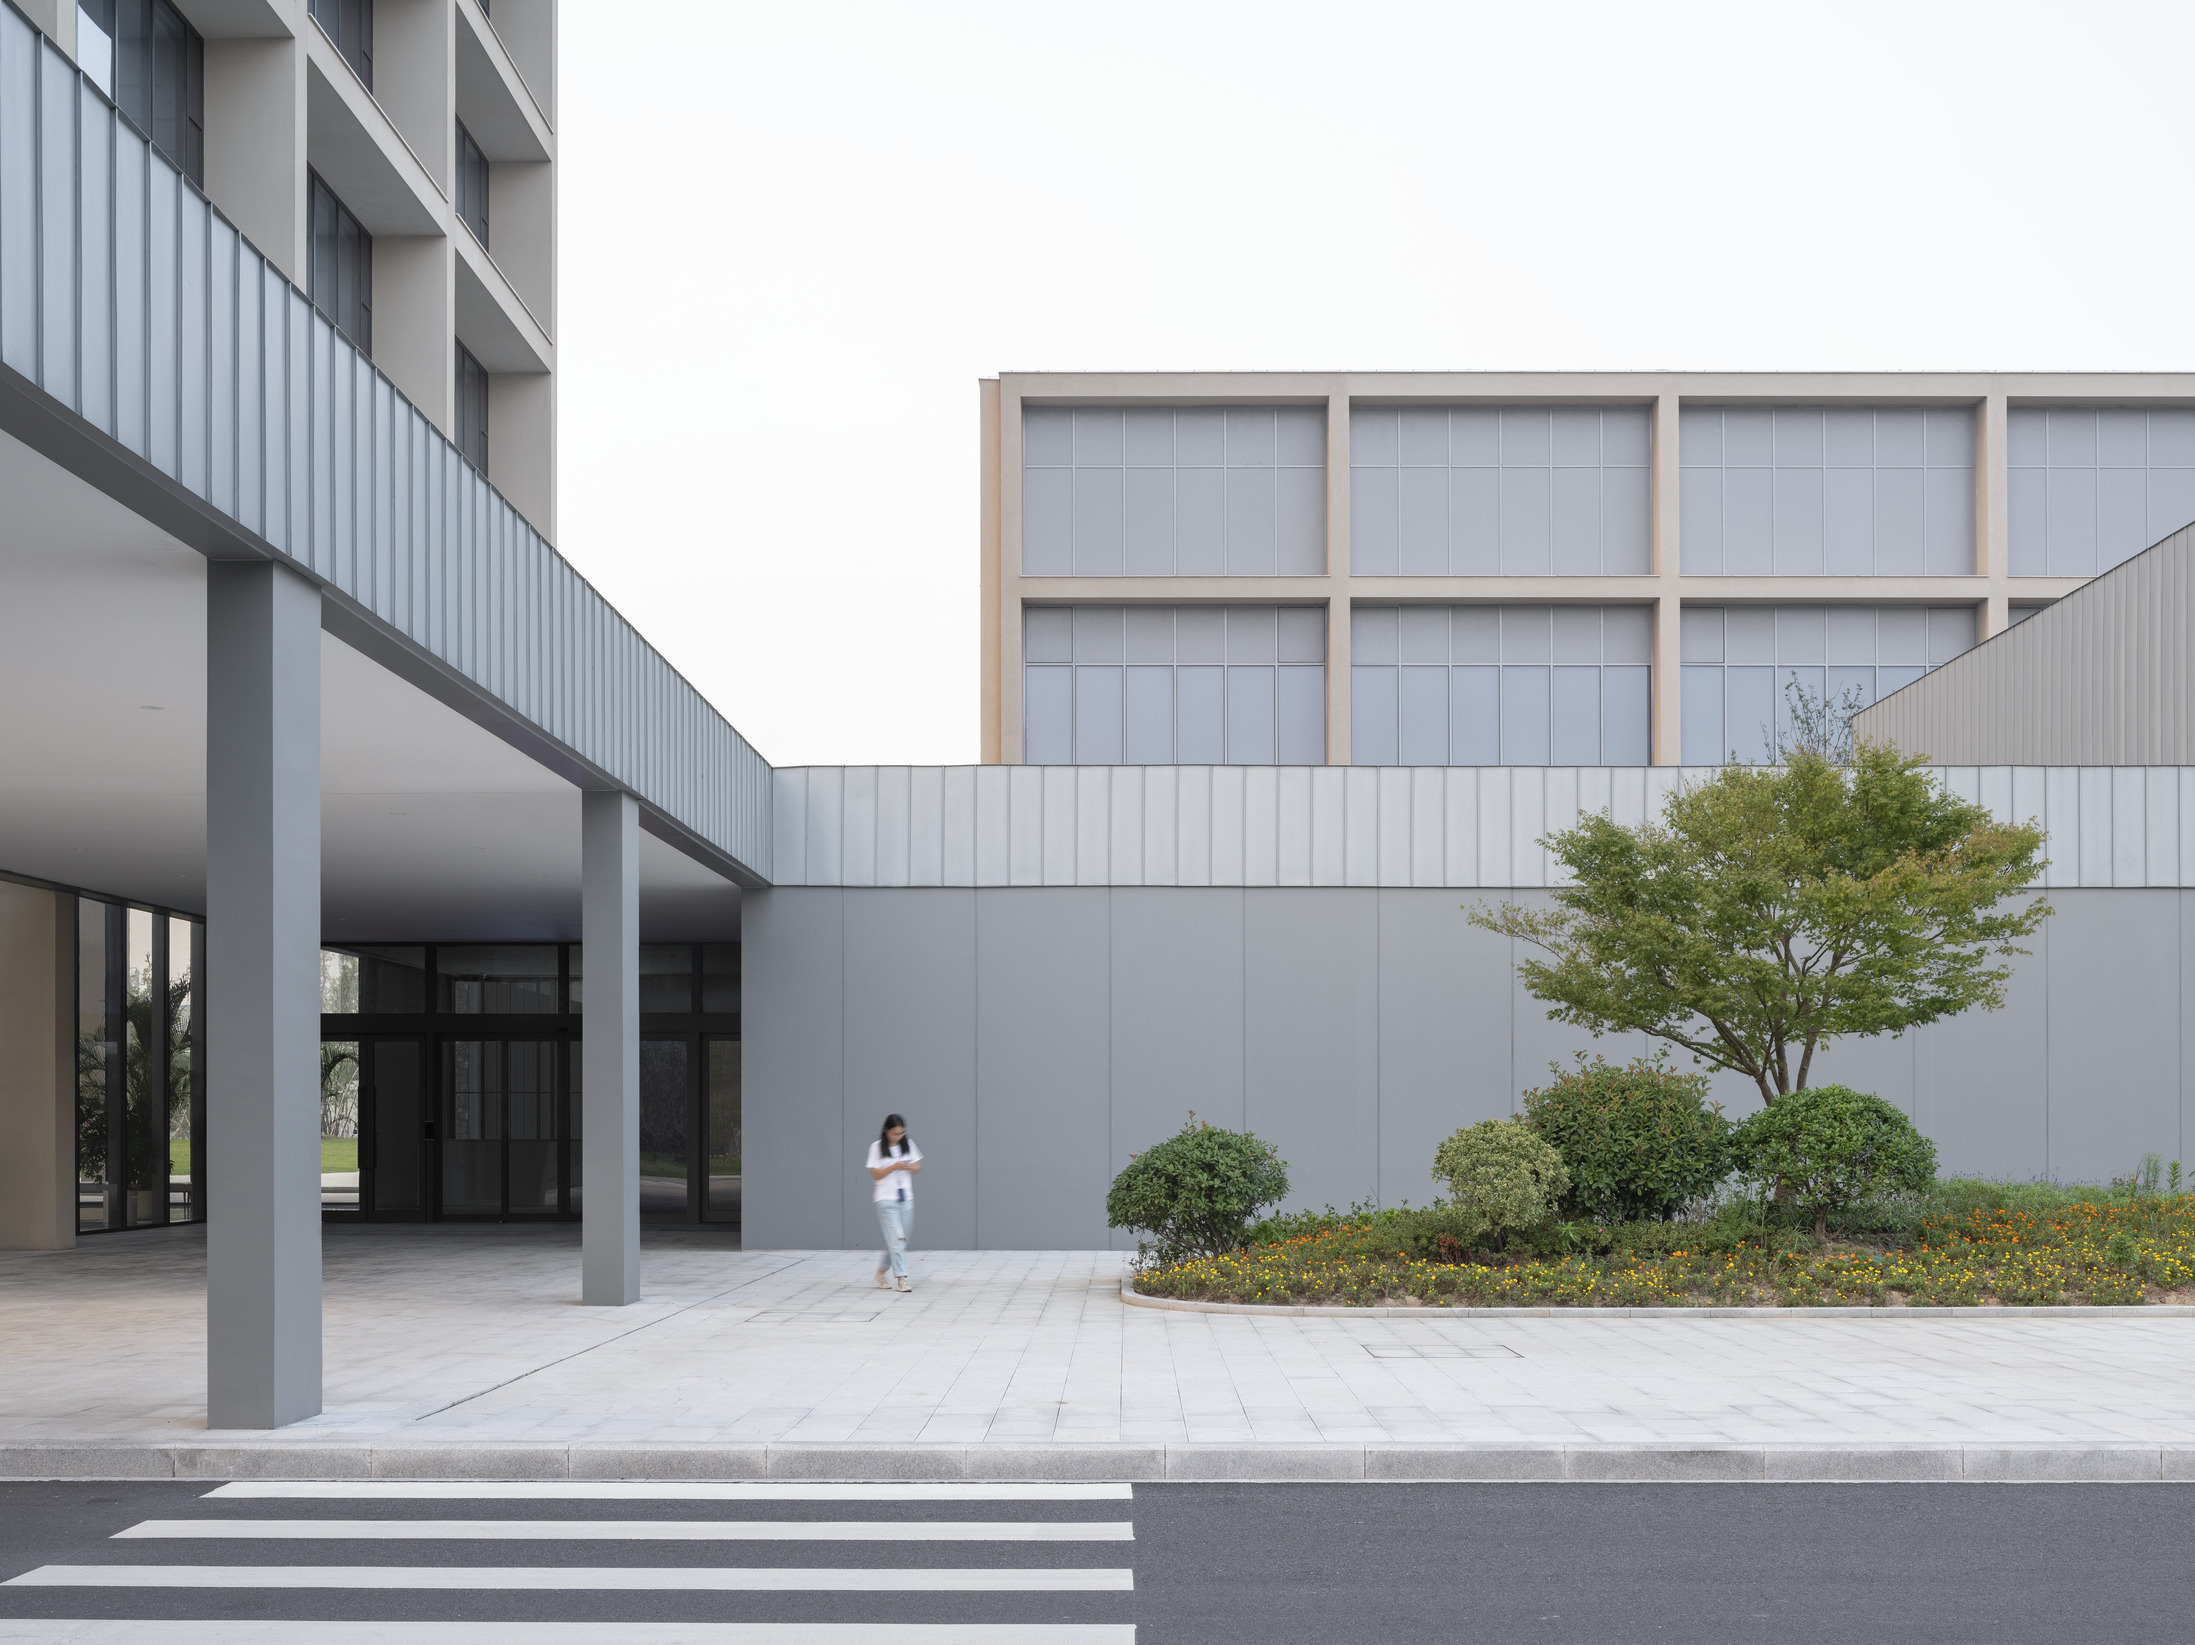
2162 1310
1513 1461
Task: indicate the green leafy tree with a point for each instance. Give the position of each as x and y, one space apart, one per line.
1197 1191
1831 1147
1640 1141
1502 1176
1771 910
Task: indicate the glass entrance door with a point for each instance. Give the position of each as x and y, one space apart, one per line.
501 1132
393 1161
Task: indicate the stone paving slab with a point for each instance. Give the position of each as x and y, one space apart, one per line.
462 1352
1632 1464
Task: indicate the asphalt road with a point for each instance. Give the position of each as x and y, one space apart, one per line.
1182 1564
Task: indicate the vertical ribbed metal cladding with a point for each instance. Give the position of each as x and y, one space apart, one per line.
1447 826
2100 678
127 302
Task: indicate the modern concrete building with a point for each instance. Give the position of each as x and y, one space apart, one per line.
1528 568
358 861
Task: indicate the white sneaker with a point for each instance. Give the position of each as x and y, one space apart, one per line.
883 1278
903 1285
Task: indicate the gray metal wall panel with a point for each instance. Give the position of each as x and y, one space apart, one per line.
1042 1082
2114 1001
225 380
1311 1032
792 999
910 1049
1444 1033
1983 1080
1353 1028
1176 961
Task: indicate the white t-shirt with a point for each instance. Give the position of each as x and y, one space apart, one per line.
900 1184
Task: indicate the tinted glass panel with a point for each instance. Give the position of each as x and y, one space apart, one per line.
95 1055
529 1121
667 977
339 1088
724 1141
399 1184
472 184
472 1127
373 981
663 1128
183 1093
340 276
720 976
472 409
515 979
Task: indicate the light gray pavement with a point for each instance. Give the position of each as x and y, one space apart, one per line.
464 1350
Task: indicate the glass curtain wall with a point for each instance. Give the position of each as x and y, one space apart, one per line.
140 1112
451 1081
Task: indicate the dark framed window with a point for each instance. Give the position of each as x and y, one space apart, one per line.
450 1078
145 55
349 23
472 409
342 265
472 185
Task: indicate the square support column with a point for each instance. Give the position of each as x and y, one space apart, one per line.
262 995
609 914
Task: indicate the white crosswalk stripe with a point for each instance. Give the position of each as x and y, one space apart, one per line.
891 1572
646 1530
620 1490
868 1579
238 1632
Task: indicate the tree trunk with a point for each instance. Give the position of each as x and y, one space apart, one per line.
1821 1228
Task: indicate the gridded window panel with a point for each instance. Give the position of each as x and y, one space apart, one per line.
1808 491
1499 490
1500 685
1151 491
1742 662
2090 488
1189 685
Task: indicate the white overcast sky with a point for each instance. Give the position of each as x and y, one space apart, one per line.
794 235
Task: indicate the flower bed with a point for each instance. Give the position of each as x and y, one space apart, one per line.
2095 1253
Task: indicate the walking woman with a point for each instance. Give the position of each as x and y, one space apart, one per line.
893 1162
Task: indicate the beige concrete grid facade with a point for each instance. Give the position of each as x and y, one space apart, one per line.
281 99
1989 586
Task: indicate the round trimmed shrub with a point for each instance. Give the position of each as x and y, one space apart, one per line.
1502 1178
1197 1191
1640 1140
1828 1147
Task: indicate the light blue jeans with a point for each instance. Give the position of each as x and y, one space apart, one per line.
897 1218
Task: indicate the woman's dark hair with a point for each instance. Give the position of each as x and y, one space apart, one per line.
884 1136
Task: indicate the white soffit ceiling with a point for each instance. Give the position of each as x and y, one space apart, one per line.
431 827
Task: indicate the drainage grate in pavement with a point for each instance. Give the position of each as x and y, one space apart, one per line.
1440 1350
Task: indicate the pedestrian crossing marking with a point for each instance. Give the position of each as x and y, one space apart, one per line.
147 1631
610 1490
622 1578
646 1530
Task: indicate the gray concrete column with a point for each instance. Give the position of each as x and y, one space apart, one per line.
609 916
37 1069
262 995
